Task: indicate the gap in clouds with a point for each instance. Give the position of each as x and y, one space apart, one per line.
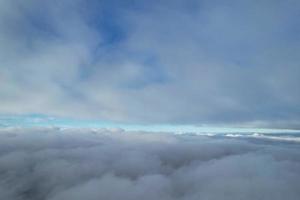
38 120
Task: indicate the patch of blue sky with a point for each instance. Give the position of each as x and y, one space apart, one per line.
38 120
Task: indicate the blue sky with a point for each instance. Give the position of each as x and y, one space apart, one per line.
38 120
193 63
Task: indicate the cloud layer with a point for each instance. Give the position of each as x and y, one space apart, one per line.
58 164
195 62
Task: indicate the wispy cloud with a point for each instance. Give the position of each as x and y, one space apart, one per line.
180 62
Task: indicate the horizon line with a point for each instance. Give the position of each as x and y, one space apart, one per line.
38 120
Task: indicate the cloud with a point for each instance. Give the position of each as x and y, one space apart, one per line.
56 164
180 62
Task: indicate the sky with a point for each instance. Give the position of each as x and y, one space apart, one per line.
194 62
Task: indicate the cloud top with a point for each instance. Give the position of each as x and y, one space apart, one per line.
55 164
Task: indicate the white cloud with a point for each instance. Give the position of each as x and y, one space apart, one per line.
56 164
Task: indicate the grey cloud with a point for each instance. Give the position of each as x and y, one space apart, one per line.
228 61
56 164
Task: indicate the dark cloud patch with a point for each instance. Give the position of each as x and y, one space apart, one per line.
57 164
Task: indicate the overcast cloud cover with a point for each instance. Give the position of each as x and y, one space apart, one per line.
90 164
195 61
229 68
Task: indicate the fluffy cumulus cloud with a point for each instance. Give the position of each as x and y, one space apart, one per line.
196 61
58 164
